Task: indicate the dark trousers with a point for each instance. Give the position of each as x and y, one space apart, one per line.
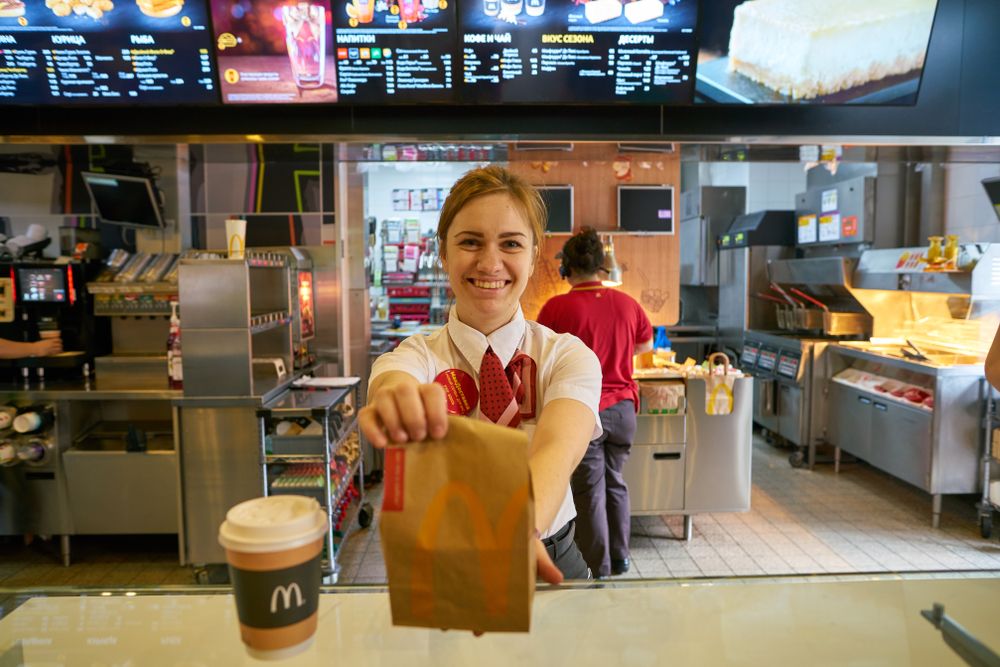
600 493
565 554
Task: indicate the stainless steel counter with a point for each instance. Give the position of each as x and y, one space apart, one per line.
881 354
79 390
935 450
858 620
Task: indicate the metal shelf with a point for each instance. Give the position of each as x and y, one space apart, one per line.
334 445
267 321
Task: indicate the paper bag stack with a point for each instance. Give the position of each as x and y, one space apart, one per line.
457 530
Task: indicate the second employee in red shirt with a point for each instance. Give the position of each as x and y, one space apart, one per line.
614 326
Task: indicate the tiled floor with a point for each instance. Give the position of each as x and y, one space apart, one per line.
800 522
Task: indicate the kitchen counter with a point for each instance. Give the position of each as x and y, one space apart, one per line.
871 620
889 355
80 390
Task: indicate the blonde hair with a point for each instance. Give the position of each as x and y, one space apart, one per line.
489 180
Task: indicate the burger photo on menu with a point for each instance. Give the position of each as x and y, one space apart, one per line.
274 51
160 9
813 51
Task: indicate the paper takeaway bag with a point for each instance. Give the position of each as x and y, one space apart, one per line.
719 387
458 527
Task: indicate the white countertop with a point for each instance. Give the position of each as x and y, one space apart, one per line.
860 621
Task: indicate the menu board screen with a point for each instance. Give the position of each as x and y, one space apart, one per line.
105 52
399 51
813 51
536 51
274 51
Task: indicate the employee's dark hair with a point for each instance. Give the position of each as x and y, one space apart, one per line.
583 254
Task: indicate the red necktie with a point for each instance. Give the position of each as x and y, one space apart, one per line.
496 397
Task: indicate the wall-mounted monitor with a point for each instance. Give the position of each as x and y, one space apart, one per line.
646 208
558 207
813 51
560 51
41 285
992 186
399 51
124 200
275 52
106 52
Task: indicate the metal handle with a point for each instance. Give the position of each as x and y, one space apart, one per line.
667 456
881 406
865 400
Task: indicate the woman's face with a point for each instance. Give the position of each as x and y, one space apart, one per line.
489 255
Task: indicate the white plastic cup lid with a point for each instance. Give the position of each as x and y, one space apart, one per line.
272 523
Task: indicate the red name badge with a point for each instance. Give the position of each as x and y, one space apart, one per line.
460 391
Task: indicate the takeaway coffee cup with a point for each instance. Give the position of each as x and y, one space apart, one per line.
273 547
236 237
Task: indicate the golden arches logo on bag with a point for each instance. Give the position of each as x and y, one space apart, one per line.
495 572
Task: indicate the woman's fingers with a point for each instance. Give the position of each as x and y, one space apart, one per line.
436 409
547 570
407 413
371 427
410 403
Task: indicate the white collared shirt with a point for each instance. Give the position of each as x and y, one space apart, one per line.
566 369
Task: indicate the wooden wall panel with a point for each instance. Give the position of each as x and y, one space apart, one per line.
650 263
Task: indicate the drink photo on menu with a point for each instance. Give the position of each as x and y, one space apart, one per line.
274 51
537 51
813 51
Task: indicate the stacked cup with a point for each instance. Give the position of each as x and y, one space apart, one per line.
273 547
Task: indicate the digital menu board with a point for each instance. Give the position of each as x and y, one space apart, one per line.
398 51
813 51
537 51
105 52
274 51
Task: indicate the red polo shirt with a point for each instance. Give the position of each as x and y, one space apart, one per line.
609 322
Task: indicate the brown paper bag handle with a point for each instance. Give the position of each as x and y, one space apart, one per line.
712 364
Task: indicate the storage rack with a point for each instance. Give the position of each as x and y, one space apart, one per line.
336 410
991 420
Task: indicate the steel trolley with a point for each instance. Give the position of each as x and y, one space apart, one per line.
321 464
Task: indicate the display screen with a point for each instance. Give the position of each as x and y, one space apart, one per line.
538 51
398 51
105 52
813 51
123 200
559 208
45 285
275 52
992 186
646 208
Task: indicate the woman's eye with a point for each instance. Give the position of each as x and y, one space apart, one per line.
512 244
468 243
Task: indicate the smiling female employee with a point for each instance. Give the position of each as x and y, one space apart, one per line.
525 376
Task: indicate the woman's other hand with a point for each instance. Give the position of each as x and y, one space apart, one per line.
547 570
46 347
400 410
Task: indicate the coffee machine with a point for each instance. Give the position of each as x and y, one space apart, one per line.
37 297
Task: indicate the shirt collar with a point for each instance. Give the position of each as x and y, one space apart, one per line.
472 343
587 285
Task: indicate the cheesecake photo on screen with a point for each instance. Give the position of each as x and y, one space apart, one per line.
813 51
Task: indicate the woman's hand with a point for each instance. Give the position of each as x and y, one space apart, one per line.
547 570
400 410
